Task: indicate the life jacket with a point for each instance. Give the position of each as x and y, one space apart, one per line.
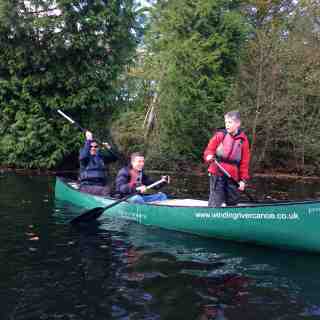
135 178
230 149
94 171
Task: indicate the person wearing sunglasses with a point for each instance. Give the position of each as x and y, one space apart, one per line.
93 166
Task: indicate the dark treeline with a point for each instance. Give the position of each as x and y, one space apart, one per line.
159 78
59 54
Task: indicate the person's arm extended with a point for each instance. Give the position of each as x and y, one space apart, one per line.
85 151
109 154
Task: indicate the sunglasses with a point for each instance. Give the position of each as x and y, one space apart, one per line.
94 147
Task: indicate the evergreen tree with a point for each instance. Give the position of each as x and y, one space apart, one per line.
193 49
58 54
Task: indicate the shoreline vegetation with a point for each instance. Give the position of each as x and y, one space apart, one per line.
159 80
200 172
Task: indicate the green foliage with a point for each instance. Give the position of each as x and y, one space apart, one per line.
128 130
58 54
278 88
193 52
167 97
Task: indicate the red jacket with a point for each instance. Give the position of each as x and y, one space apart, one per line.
238 172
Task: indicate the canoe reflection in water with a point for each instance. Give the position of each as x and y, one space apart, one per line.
171 284
203 297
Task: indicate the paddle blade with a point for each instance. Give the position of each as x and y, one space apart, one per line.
89 216
95 213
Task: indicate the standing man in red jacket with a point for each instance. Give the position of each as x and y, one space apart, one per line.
230 147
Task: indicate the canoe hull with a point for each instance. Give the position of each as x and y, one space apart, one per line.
292 225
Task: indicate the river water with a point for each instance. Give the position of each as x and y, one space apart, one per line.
122 270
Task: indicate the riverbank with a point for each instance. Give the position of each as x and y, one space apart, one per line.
197 171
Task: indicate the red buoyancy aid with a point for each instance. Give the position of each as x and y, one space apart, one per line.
135 178
229 150
239 170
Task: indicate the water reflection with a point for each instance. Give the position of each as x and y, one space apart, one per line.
121 270
211 279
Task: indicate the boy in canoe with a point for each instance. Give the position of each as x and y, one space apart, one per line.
228 156
93 160
132 179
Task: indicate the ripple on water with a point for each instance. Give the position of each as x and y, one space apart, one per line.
122 270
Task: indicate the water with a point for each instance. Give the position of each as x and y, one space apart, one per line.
122 270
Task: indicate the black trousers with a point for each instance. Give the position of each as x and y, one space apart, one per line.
223 190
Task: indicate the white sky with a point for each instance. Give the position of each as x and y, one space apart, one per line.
144 3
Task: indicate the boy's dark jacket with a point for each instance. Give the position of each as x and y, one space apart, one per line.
123 178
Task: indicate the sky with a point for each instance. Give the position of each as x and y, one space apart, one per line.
145 3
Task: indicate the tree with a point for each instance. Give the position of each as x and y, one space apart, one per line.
302 67
58 54
277 87
193 53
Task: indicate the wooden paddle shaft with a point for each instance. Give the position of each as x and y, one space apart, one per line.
155 184
78 125
70 120
225 171
65 116
119 156
230 177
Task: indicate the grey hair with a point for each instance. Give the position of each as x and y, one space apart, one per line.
235 115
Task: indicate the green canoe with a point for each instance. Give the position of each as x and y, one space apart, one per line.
293 225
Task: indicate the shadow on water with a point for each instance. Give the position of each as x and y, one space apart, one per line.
48 271
117 269
66 281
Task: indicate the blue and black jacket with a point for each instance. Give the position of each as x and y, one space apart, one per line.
93 168
123 179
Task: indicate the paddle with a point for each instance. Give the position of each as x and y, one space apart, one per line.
96 212
71 120
226 173
82 129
